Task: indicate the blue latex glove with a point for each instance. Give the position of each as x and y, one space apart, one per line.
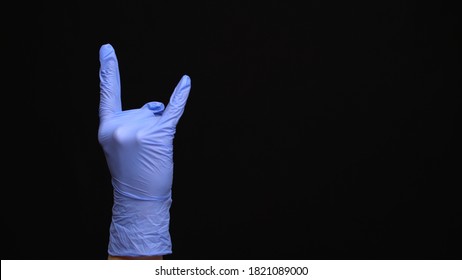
138 145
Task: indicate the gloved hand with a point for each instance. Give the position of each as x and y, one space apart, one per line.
138 145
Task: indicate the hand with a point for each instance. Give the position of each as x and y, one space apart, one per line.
138 145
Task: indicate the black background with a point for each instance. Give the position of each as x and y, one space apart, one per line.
316 131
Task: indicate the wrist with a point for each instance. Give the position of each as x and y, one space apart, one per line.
140 227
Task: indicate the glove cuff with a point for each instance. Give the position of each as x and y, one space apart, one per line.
140 227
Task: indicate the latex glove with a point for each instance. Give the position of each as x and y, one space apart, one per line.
138 145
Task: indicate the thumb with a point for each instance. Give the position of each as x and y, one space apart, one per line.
109 77
175 107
